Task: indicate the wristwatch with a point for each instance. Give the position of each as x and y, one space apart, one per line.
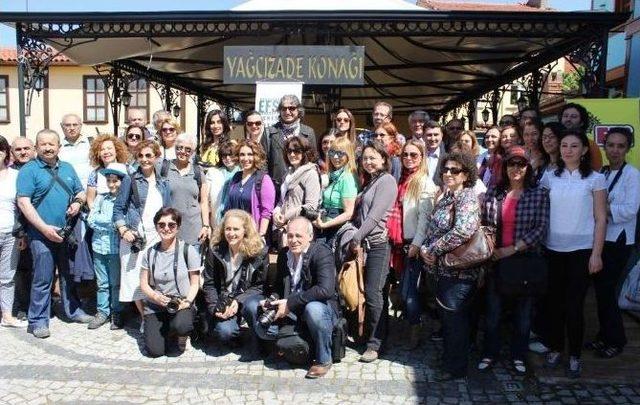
424 250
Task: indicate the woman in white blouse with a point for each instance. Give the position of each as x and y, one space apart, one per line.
623 185
578 220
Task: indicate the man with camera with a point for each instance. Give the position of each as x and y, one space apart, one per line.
307 311
49 195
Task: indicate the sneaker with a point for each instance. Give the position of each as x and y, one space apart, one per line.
485 364
14 323
574 368
519 367
436 336
98 320
538 347
369 356
41 332
84 318
552 359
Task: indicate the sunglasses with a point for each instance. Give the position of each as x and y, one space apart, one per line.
169 130
146 155
517 163
379 135
343 120
291 108
412 155
134 136
170 225
294 151
337 154
254 123
453 170
184 149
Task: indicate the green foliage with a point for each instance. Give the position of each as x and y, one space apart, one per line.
571 82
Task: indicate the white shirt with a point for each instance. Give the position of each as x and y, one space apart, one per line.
571 220
8 209
624 201
77 154
433 158
295 269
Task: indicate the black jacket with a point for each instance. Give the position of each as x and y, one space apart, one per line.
318 278
277 167
215 272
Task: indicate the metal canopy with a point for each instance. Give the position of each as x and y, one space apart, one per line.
415 59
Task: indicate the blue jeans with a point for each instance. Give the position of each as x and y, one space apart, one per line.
45 257
409 281
319 319
227 329
521 323
107 269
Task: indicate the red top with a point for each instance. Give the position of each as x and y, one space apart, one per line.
509 221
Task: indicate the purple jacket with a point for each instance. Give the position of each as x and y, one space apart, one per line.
267 198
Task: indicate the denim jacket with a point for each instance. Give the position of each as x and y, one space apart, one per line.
105 239
125 212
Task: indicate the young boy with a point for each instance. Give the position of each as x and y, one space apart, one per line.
105 243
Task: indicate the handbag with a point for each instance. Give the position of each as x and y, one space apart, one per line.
522 274
629 298
454 294
473 252
351 287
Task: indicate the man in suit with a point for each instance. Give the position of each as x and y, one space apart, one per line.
434 147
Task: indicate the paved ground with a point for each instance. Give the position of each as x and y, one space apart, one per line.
76 365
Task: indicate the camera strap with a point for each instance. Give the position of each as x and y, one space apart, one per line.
54 179
176 255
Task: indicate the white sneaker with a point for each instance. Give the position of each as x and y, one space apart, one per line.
16 323
538 347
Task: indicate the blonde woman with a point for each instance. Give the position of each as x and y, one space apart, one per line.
235 268
339 197
169 130
407 224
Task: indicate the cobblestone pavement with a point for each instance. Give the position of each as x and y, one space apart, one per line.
76 365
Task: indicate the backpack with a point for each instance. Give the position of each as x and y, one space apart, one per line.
351 287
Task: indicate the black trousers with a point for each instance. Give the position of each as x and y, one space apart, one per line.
568 284
614 259
375 292
158 326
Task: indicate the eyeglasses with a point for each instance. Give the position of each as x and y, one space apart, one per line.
254 123
336 154
294 151
169 130
146 155
412 155
170 225
453 170
71 125
379 135
517 163
18 150
134 136
184 149
343 120
291 108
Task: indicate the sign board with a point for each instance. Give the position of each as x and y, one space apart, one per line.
268 95
330 65
613 112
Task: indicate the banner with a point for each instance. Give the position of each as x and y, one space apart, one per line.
605 113
268 95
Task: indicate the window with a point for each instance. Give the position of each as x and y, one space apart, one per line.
95 100
139 91
4 99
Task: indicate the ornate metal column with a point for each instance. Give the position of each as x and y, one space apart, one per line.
118 81
593 58
495 102
471 114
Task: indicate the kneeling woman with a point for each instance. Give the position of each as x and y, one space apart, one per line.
234 271
169 279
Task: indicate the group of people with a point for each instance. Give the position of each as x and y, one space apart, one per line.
184 229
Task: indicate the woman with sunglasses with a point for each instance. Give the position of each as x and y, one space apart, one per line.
388 135
219 178
339 197
170 280
105 150
345 125
255 130
453 221
216 130
522 210
251 189
372 209
189 191
301 190
406 225
169 130
142 194
133 135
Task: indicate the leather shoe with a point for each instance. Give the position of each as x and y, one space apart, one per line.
318 370
99 320
84 318
41 332
369 356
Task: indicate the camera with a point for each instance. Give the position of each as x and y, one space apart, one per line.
173 304
223 302
312 214
269 314
66 232
138 243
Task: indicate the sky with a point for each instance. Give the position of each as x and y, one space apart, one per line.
7 35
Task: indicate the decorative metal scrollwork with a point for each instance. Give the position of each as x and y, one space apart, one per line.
593 58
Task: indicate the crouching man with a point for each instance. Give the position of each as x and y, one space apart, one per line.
301 309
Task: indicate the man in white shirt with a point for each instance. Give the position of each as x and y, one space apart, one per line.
74 148
434 148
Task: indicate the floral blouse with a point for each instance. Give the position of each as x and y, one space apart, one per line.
443 236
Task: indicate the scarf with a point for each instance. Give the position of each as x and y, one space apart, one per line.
289 130
394 222
335 175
